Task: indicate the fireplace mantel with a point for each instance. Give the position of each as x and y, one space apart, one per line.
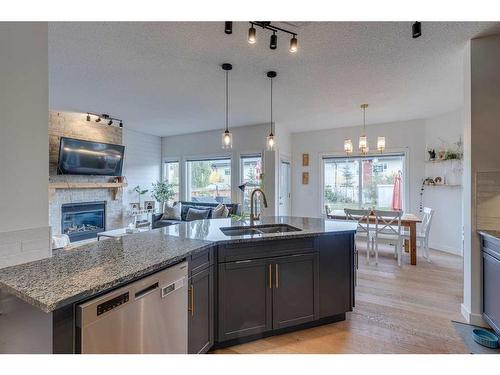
116 187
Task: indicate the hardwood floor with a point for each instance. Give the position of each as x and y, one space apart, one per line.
398 310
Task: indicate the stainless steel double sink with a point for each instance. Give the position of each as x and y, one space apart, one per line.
258 229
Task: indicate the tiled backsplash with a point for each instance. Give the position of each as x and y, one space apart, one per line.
488 200
75 125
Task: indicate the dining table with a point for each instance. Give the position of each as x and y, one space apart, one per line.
408 220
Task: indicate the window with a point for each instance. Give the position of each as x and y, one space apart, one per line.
209 180
251 169
171 174
364 182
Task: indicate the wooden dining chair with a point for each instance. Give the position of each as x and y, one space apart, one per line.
363 231
388 230
423 232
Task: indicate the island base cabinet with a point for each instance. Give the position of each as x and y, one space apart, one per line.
201 311
245 299
296 290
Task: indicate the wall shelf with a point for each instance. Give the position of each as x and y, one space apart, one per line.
442 161
116 187
443 185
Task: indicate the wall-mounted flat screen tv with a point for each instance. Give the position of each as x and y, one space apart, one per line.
77 156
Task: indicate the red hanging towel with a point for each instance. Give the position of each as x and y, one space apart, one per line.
396 193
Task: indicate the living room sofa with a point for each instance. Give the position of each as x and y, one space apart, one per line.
157 222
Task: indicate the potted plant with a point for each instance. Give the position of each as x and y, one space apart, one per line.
163 192
140 192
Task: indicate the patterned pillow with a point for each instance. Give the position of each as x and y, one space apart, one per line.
220 211
196 214
172 213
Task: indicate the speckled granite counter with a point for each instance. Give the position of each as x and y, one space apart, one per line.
72 275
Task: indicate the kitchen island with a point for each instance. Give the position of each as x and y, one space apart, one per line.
288 273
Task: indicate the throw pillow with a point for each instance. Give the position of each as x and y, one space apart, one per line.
172 213
195 214
220 211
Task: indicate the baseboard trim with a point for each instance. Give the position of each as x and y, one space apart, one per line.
445 249
472 318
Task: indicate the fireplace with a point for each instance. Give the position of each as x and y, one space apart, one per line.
81 221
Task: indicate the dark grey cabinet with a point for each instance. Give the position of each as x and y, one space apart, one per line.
296 290
201 304
491 281
245 298
337 269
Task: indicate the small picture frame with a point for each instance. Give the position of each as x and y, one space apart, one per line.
305 178
149 205
305 160
135 206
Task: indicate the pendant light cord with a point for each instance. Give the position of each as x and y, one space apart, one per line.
227 100
271 106
364 121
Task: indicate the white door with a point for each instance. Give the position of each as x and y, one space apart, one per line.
285 181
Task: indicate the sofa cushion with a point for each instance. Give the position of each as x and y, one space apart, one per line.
197 214
166 223
172 213
220 211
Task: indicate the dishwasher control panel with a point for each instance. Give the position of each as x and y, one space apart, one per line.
112 303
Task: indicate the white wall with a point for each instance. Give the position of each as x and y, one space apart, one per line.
482 114
24 146
142 164
406 136
246 140
446 233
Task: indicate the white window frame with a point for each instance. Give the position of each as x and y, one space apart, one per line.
406 173
203 157
242 156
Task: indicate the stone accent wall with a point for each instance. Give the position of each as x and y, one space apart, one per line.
75 125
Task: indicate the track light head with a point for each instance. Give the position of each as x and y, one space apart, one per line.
98 119
121 124
88 117
110 122
416 30
252 34
293 44
273 41
228 27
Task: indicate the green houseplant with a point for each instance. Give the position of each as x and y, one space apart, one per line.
163 192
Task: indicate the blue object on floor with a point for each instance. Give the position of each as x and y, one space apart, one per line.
485 338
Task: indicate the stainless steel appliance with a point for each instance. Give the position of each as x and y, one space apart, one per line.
146 316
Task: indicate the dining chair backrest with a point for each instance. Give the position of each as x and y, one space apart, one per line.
361 216
426 220
388 222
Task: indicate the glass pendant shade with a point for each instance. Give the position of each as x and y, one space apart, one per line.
252 35
271 142
381 144
227 140
363 143
293 44
348 146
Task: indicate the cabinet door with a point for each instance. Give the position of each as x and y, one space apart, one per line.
491 296
296 290
337 274
245 299
201 311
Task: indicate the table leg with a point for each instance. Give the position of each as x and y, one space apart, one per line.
413 243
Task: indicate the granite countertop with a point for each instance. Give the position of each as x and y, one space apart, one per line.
72 275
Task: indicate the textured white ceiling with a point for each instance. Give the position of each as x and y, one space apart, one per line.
165 78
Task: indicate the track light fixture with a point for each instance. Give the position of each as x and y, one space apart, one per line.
252 34
416 30
266 25
99 117
293 44
273 43
228 27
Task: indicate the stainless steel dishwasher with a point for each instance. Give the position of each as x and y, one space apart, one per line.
146 316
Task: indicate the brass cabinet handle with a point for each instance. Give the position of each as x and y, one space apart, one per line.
277 277
192 299
270 277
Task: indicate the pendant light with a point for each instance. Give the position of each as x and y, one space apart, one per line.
363 139
227 137
271 139
381 144
348 146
